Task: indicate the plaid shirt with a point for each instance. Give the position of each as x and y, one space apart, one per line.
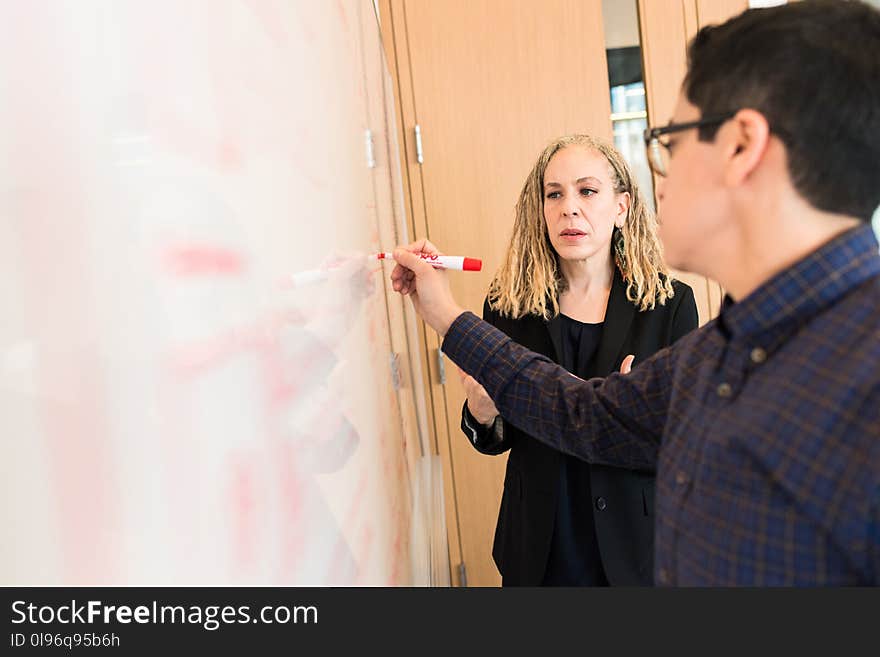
763 426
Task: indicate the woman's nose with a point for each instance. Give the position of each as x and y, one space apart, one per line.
570 212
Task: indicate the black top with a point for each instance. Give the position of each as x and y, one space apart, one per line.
574 558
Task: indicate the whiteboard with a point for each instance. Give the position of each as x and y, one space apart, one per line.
203 378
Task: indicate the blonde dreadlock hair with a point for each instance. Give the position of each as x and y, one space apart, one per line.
530 281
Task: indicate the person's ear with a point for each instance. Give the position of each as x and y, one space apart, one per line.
744 141
623 202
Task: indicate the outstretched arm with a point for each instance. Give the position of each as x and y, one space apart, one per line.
617 421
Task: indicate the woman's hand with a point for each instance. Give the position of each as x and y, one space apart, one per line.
482 407
479 403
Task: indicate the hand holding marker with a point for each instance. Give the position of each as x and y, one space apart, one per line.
459 263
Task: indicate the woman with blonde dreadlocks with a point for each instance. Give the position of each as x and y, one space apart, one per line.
584 284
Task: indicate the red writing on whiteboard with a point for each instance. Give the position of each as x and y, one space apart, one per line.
200 260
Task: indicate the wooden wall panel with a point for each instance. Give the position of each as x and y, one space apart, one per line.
395 41
490 82
666 29
710 12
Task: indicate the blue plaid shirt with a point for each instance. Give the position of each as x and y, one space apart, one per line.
763 426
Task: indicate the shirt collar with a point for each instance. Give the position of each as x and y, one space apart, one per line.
801 291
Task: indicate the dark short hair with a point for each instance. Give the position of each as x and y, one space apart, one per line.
812 68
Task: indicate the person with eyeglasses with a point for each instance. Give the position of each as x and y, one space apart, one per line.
764 424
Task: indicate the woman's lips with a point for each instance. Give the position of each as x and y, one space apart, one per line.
572 235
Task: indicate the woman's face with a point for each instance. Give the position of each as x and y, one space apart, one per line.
581 207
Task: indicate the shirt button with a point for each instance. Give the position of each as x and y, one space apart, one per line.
724 390
663 576
600 503
758 355
681 478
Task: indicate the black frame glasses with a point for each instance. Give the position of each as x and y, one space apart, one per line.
656 157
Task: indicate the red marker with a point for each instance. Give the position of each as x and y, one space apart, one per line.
443 261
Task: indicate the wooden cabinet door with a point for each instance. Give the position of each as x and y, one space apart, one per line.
666 29
489 83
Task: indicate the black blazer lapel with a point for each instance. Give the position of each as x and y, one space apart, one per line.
554 328
618 317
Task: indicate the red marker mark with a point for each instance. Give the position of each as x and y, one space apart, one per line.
201 260
341 8
270 19
243 504
229 156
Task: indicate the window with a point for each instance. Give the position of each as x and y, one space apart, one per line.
628 109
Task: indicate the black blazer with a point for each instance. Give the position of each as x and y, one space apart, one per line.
623 500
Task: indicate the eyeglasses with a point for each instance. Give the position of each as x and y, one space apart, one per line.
658 151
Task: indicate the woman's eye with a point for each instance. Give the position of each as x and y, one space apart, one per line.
587 192
553 195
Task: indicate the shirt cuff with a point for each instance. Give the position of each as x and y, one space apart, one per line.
484 438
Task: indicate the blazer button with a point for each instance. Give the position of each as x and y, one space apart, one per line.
724 390
758 355
600 503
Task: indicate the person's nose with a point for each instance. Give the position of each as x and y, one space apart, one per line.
570 210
